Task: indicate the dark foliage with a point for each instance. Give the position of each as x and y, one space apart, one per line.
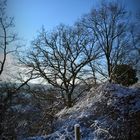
124 74
24 113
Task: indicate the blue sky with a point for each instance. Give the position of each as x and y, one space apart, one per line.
30 15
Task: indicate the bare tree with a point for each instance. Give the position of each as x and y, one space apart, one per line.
60 57
10 88
109 24
7 37
135 34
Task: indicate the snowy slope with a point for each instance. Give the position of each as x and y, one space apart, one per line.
109 112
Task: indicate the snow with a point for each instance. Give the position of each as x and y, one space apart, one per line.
101 114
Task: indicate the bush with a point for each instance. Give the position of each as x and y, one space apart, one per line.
124 74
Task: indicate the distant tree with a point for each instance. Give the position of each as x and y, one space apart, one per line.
60 57
109 26
124 74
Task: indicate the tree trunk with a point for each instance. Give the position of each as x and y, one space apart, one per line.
69 101
109 68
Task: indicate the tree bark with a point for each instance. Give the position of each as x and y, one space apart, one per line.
69 101
109 68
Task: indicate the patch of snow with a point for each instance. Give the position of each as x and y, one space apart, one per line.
101 114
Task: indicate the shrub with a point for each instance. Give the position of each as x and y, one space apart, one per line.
124 74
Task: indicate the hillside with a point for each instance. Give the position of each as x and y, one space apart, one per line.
109 112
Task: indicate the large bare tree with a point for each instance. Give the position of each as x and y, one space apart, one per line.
109 24
60 57
135 34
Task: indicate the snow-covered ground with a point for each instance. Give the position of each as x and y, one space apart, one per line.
109 112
